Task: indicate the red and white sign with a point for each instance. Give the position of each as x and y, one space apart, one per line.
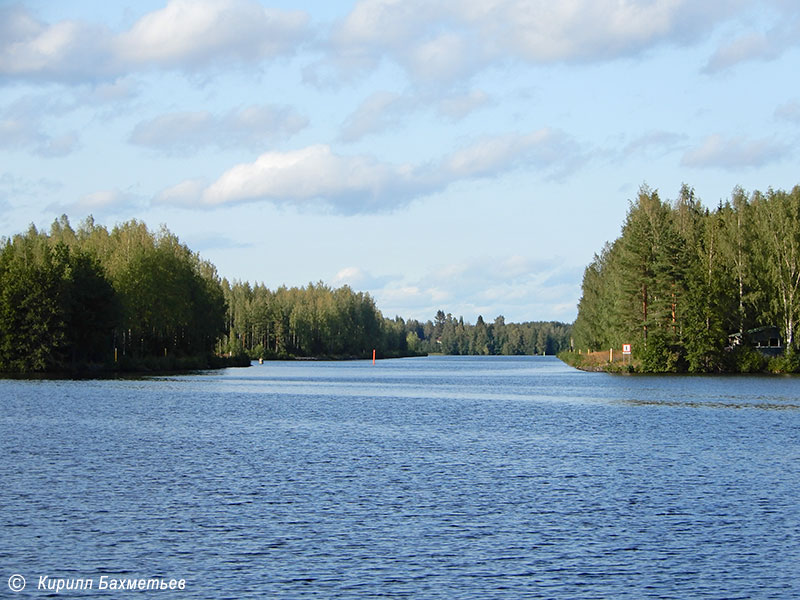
626 348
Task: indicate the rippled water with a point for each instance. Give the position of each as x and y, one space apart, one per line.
440 477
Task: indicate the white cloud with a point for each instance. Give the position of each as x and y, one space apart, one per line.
358 278
185 34
116 91
185 193
653 144
771 30
214 241
384 110
100 200
446 57
460 105
61 145
197 32
437 43
444 41
185 128
751 46
21 127
15 133
362 184
545 149
734 153
352 184
100 203
252 126
57 52
350 276
378 112
592 30
519 287
411 301
22 190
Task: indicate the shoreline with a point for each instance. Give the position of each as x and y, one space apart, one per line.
597 362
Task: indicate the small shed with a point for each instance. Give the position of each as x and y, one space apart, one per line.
766 339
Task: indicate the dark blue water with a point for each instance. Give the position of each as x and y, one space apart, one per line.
440 477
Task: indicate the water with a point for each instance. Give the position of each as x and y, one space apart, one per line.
440 477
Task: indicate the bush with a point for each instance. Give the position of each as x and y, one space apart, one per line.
788 363
745 359
661 357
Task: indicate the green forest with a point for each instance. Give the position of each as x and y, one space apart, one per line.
693 289
90 299
319 321
448 335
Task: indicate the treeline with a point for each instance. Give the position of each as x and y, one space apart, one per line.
685 285
317 320
313 321
89 298
448 335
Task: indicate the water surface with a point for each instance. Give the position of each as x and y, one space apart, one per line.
439 477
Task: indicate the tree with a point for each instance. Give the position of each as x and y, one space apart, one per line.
778 223
680 280
57 308
649 277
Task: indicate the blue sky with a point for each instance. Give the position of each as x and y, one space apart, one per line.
469 156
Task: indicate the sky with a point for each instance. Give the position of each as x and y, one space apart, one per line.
469 156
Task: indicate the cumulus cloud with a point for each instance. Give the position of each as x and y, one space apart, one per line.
362 184
351 183
31 48
185 34
444 41
734 153
196 32
251 126
186 193
435 42
358 278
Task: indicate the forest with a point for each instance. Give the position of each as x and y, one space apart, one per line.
319 321
90 299
313 321
691 288
448 335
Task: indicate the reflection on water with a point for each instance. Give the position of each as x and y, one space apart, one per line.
758 404
442 477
